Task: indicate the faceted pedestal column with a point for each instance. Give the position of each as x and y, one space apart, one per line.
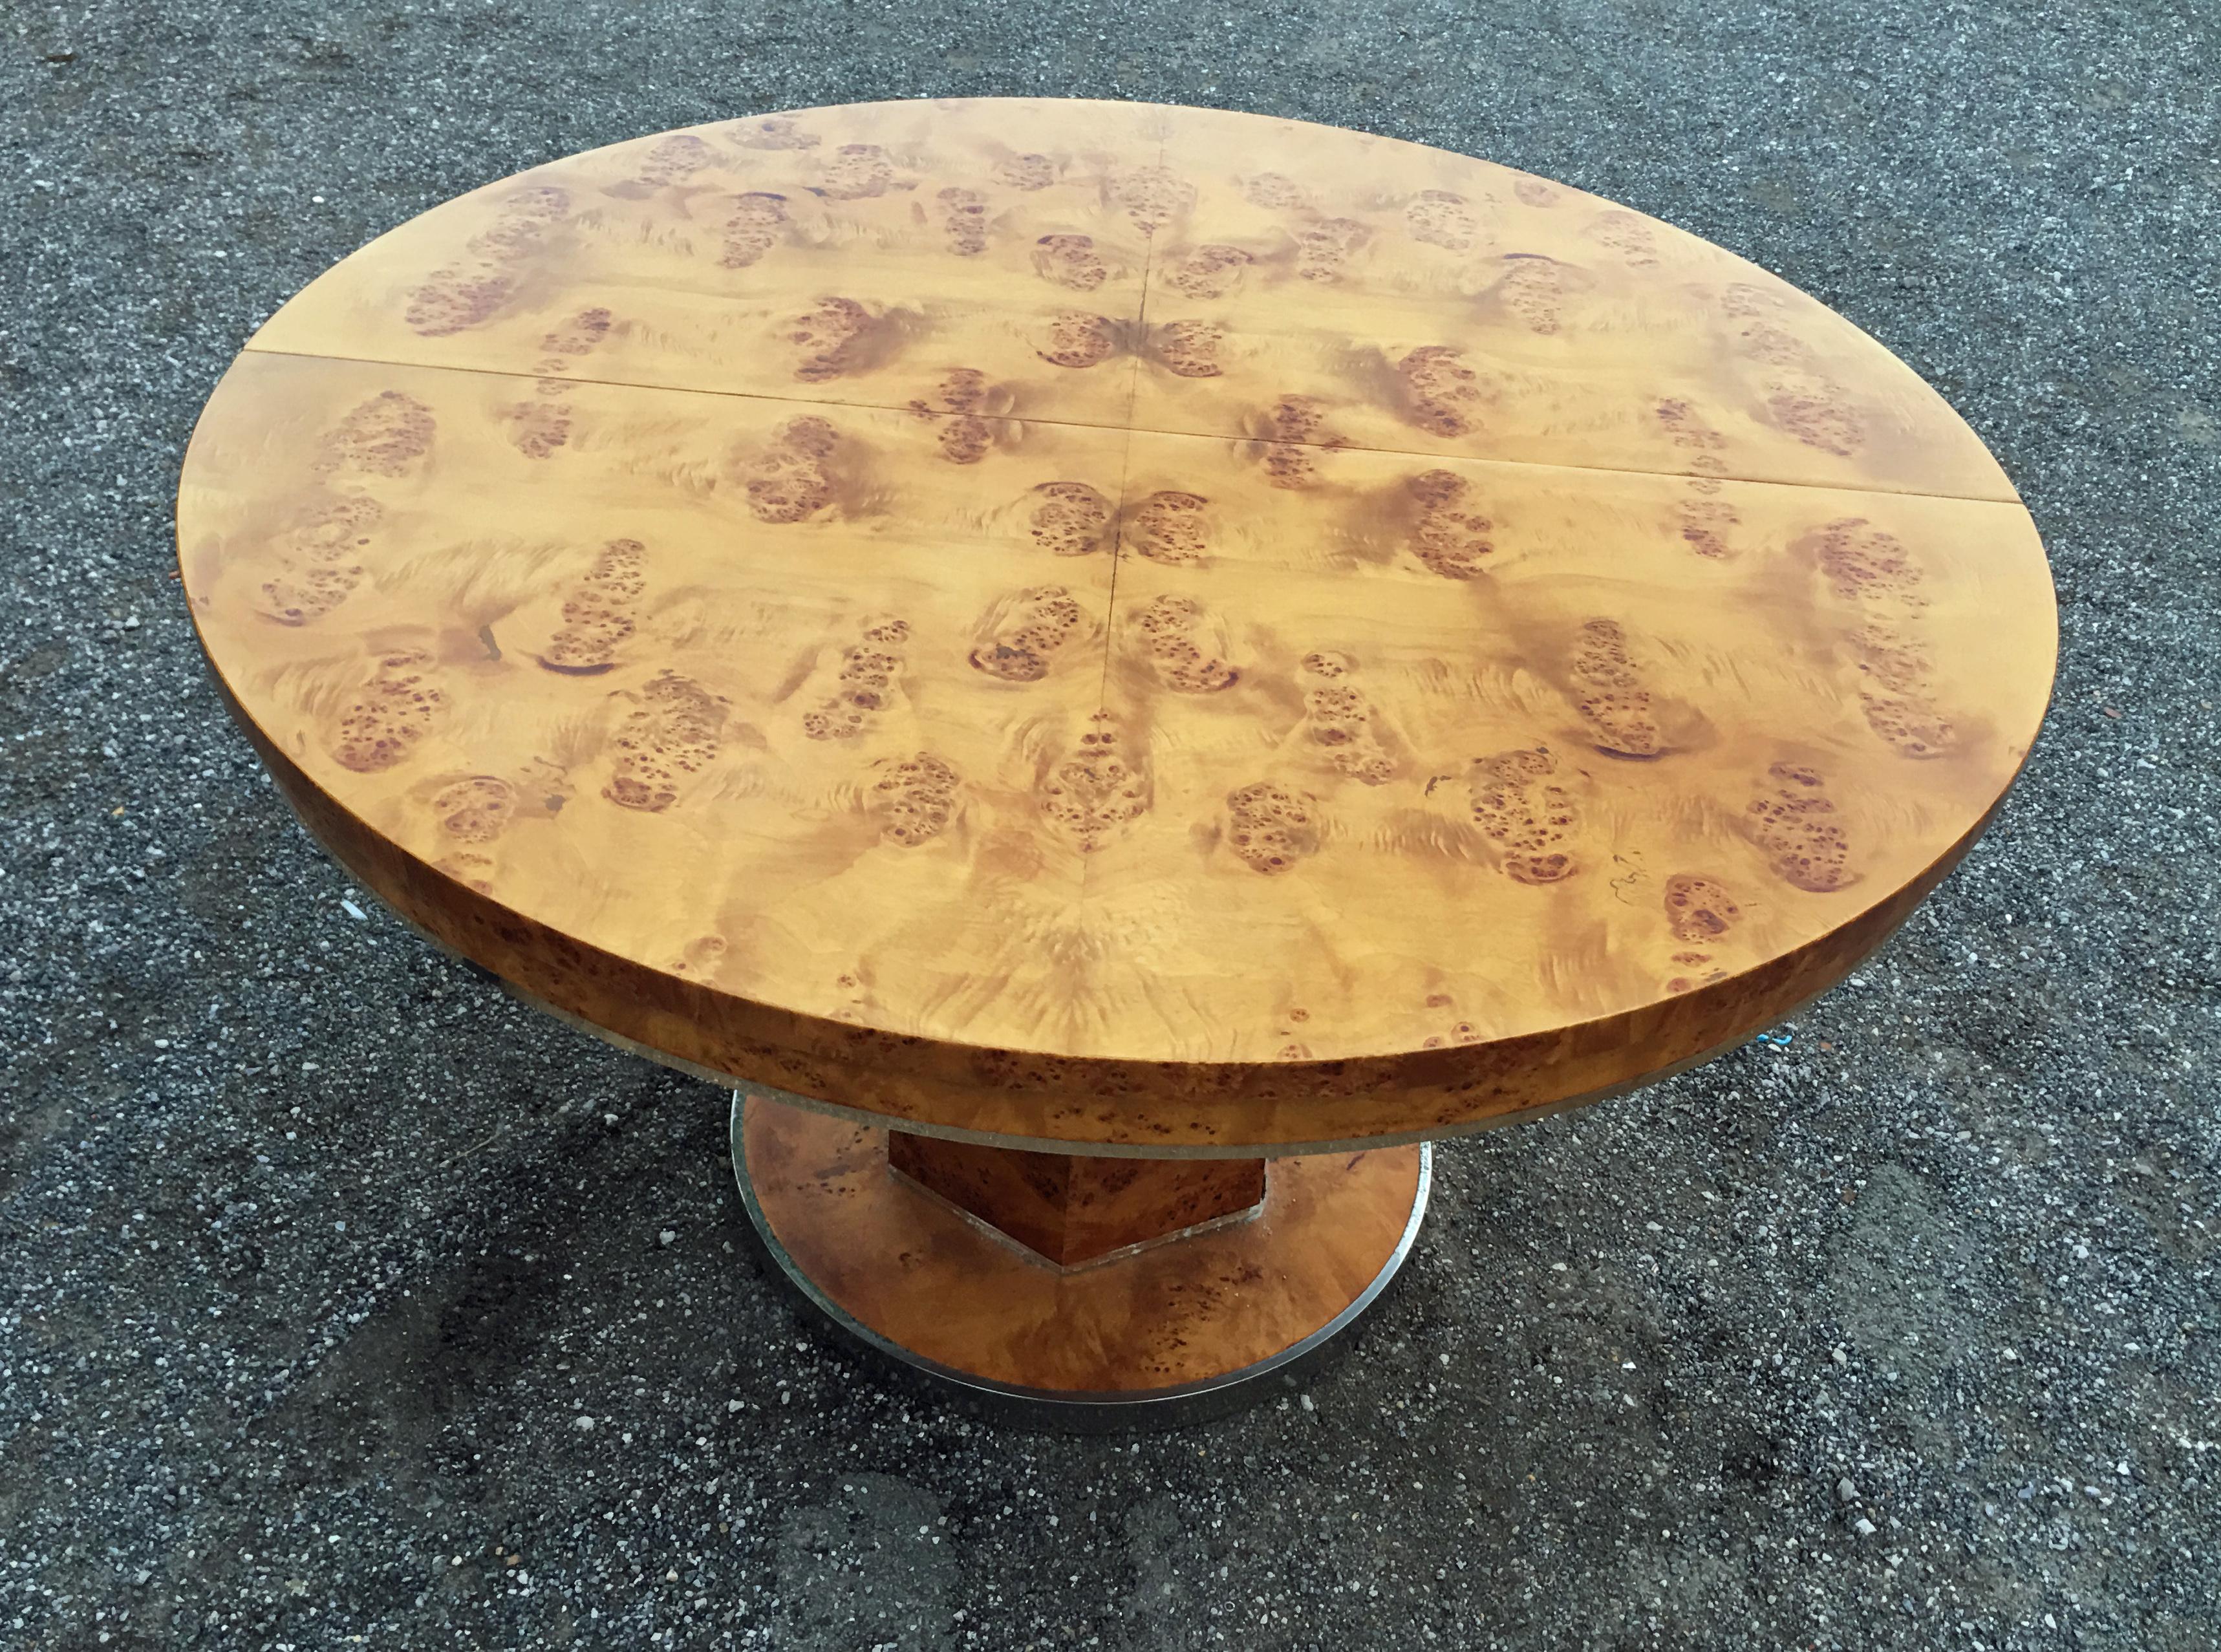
1070 1289
1071 1210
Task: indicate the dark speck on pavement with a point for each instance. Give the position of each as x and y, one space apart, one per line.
333 1303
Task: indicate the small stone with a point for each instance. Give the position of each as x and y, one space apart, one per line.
1864 1526
732 1405
1304 1400
1840 1357
1847 1491
665 1236
352 909
584 1424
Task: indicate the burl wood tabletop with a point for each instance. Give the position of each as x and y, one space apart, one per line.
1114 624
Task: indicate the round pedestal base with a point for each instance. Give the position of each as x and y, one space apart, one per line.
1172 1333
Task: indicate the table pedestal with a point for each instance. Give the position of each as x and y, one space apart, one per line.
1077 1292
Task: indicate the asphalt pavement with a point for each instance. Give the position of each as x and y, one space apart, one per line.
344 1301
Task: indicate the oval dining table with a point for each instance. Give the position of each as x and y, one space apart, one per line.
1114 671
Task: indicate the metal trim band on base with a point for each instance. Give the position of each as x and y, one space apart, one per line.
1065 1411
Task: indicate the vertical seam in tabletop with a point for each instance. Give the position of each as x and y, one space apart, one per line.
1125 470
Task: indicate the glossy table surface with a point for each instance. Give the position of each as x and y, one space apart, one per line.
1111 624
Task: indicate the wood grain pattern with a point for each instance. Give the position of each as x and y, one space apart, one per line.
858 255
1179 269
1071 1209
1122 773
1386 295
904 1265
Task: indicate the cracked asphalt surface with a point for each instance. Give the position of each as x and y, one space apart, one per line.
335 1303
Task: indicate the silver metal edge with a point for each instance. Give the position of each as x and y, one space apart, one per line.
1063 1409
